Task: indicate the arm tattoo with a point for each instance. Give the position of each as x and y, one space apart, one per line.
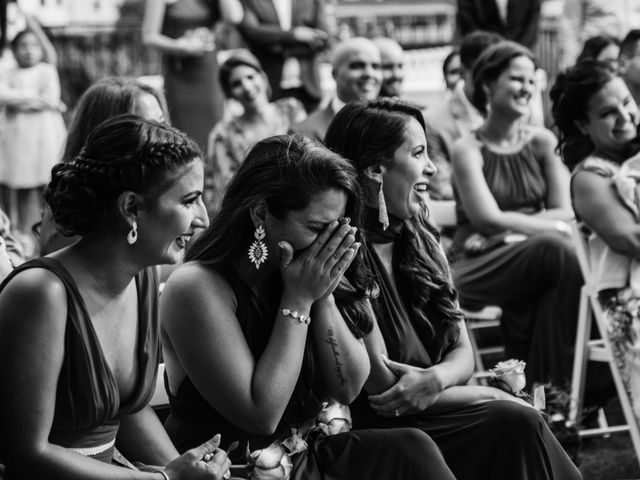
331 340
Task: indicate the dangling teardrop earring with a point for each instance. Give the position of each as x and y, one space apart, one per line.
132 236
383 216
258 250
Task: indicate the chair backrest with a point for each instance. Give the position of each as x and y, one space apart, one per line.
581 244
443 212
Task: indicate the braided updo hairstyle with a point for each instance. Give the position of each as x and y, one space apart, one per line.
125 153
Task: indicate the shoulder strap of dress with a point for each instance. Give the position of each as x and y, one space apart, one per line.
48 264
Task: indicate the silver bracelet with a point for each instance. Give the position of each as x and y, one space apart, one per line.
164 474
301 318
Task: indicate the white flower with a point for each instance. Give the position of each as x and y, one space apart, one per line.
336 416
511 374
271 463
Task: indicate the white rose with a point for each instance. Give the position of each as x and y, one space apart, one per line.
511 373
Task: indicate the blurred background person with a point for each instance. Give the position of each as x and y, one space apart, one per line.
515 20
356 69
602 48
452 69
183 31
287 37
455 115
34 130
629 63
509 180
583 19
243 80
103 100
392 57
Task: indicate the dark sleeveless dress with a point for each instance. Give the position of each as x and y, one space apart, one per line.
494 440
194 95
536 282
88 404
402 453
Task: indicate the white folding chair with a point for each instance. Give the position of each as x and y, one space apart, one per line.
443 212
599 350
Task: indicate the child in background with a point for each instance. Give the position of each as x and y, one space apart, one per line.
34 132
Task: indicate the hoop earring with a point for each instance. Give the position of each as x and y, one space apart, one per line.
383 216
258 252
132 236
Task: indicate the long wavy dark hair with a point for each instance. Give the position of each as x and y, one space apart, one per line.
286 172
369 134
570 95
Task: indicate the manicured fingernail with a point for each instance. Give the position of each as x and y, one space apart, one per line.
281 244
347 219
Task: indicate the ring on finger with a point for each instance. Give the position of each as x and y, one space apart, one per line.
227 474
396 413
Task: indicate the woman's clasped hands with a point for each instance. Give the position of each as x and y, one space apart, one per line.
317 270
206 462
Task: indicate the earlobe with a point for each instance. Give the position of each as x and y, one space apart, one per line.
128 206
258 213
581 126
374 173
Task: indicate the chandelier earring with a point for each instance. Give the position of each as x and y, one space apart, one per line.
383 216
258 250
132 236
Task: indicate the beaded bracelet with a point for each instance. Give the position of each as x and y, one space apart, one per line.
305 319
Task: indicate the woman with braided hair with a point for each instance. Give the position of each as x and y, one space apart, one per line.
79 333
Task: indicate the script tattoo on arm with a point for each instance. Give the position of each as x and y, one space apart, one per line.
331 340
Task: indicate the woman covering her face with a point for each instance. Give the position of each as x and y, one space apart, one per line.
261 328
419 349
79 332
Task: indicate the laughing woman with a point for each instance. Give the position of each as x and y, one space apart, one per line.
513 241
79 333
419 348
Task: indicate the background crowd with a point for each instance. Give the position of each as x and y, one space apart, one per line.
302 270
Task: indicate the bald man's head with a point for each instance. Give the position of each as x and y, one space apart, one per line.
392 56
356 70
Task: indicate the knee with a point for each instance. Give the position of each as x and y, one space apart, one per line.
513 419
556 254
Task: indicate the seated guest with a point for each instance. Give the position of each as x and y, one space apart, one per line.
593 106
513 241
243 79
253 338
419 348
602 48
456 115
88 354
452 69
392 56
629 52
356 69
103 100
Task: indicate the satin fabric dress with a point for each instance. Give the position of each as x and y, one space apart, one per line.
88 403
497 440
